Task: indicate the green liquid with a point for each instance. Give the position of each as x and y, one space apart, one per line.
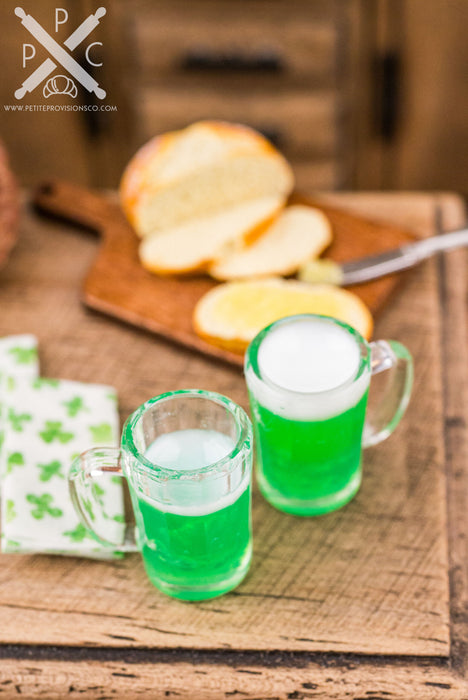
194 557
309 467
194 534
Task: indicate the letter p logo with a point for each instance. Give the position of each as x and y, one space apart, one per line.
64 14
27 56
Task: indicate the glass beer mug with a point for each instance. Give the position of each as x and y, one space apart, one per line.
187 459
308 378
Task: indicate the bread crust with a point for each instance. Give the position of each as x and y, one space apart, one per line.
141 180
297 235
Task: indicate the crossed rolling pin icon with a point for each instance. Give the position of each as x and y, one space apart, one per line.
59 54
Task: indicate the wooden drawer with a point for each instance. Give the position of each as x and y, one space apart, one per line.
289 42
301 125
316 175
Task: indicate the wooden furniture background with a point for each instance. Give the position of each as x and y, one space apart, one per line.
9 207
367 602
410 129
364 94
272 65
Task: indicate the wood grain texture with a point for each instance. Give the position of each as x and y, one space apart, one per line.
92 600
9 207
118 285
372 578
300 35
189 680
302 123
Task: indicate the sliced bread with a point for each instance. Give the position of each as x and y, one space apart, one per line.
200 171
297 235
231 314
193 245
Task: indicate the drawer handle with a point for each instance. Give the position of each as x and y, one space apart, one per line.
263 61
387 74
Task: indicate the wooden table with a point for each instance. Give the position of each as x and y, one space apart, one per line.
369 602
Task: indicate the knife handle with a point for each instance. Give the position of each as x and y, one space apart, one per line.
436 244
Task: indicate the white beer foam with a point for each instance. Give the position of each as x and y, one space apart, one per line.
212 496
185 450
308 355
308 366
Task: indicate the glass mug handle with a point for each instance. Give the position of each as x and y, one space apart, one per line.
384 413
82 481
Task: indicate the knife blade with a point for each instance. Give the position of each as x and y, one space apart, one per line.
374 266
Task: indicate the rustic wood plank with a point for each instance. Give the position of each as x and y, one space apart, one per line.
454 293
195 680
371 578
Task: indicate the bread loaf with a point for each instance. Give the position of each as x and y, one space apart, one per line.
198 172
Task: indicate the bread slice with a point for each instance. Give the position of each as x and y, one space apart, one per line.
232 314
200 171
193 245
297 235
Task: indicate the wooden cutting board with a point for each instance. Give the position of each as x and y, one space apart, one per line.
119 286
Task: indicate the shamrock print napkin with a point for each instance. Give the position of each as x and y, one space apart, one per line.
48 422
18 358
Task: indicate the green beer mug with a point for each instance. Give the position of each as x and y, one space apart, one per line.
187 459
308 378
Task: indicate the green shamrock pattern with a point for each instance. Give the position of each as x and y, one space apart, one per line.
53 430
101 434
44 425
42 382
17 420
43 506
18 360
24 356
10 514
49 470
15 459
74 406
78 534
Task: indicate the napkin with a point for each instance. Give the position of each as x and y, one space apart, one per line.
47 423
18 358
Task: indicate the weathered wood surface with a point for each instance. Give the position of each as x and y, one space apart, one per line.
205 680
118 285
371 579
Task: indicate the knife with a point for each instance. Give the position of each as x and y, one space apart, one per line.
375 266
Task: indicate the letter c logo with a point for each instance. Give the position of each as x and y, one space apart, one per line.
95 43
